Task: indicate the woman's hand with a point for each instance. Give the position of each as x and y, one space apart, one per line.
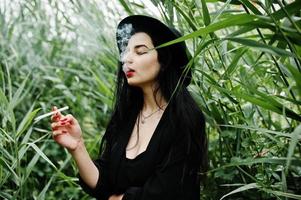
116 197
66 130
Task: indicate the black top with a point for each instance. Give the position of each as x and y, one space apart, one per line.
163 171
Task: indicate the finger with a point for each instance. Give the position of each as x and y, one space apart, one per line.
56 133
66 118
54 117
54 108
55 128
56 125
59 132
69 118
57 116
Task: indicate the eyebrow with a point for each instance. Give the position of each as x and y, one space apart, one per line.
140 45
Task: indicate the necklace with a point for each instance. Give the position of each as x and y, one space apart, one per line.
143 118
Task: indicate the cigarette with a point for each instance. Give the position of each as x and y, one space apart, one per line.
50 113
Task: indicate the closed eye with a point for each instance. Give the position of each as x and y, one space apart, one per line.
141 52
141 49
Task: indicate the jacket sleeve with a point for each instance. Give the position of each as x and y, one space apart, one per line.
102 190
171 178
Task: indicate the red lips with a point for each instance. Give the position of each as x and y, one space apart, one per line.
130 73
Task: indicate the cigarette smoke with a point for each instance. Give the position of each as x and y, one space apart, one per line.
124 34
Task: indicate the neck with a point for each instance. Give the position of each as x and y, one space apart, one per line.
152 102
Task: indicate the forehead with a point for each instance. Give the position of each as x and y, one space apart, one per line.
140 38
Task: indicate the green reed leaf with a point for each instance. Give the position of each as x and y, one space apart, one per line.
263 47
20 93
233 65
126 7
6 111
292 146
251 6
242 188
291 9
27 120
233 20
283 194
40 152
206 15
276 133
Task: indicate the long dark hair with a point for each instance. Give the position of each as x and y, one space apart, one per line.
182 106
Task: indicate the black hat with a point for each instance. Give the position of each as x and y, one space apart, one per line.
140 23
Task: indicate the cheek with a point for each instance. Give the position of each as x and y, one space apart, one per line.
156 66
153 74
151 68
148 66
153 63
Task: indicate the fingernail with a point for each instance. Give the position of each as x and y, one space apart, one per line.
63 123
62 120
64 131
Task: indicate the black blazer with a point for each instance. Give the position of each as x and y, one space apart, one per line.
165 171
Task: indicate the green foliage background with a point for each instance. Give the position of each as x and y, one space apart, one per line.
247 80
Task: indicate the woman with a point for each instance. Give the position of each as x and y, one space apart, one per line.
155 145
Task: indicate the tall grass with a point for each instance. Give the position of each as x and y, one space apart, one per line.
247 72
52 53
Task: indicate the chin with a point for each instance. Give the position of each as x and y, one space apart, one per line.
133 83
140 84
